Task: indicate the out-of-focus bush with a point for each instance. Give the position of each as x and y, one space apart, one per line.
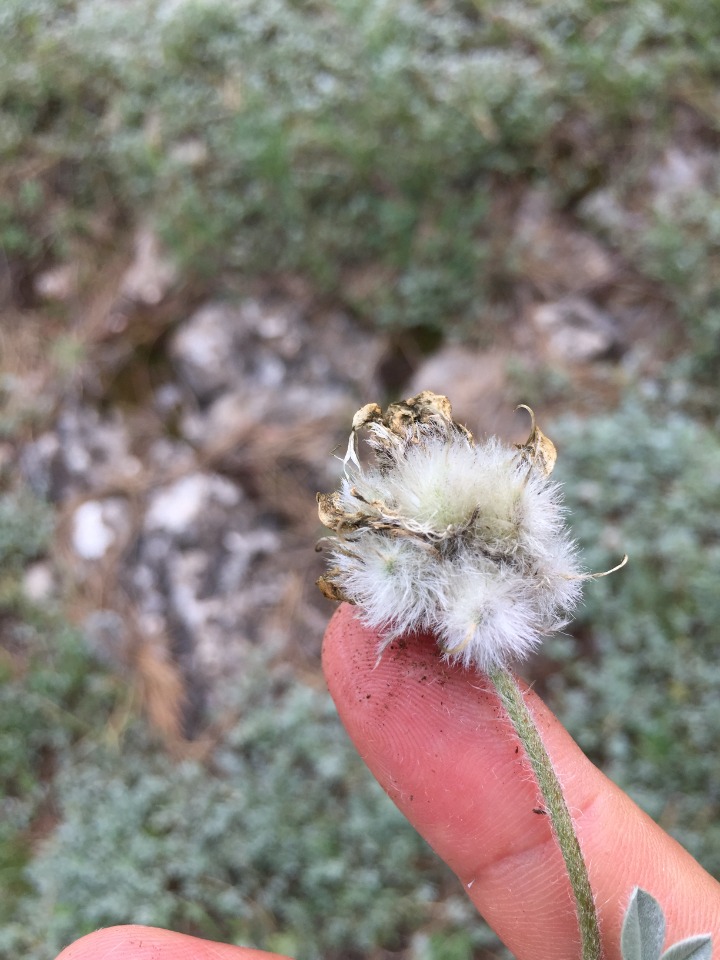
26 524
682 249
366 139
50 698
281 838
639 688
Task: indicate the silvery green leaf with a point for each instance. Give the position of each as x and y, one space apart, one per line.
643 928
694 948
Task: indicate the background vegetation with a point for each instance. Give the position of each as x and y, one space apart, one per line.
328 137
377 152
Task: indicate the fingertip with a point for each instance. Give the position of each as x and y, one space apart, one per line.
439 743
345 636
437 740
133 942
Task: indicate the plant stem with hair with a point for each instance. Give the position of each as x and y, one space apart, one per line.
517 710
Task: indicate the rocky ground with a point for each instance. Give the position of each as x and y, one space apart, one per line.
185 447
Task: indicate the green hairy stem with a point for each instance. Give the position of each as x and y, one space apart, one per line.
514 703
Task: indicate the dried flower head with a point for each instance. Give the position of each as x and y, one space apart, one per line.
443 534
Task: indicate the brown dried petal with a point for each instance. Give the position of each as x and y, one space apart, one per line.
329 589
401 417
365 415
332 514
428 404
538 450
329 510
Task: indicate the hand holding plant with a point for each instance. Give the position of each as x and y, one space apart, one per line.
439 743
443 541
465 540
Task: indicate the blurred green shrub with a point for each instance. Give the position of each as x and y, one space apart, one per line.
50 698
282 839
48 703
26 524
363 138
682 249
639 687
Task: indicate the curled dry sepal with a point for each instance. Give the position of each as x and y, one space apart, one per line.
643 934
440 533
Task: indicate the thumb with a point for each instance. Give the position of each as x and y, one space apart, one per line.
133 942
437 739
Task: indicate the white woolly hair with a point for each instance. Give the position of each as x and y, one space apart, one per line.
468 542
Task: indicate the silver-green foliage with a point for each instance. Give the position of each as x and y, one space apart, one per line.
51 701
281 839
38 678
643 934
26 524
639 685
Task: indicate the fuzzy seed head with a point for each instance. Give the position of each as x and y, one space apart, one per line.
442 534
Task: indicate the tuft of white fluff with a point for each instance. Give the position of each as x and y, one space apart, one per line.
442 534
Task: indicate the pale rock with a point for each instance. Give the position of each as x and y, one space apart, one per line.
681 173
227 420
190 153
86 451
38 582
97 526
59 283
555 254
151 274
176 507
575 330
603 209
204 349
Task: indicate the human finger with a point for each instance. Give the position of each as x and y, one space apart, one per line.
151 943
437 739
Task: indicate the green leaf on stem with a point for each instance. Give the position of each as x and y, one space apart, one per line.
693 948
643 930
643 934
